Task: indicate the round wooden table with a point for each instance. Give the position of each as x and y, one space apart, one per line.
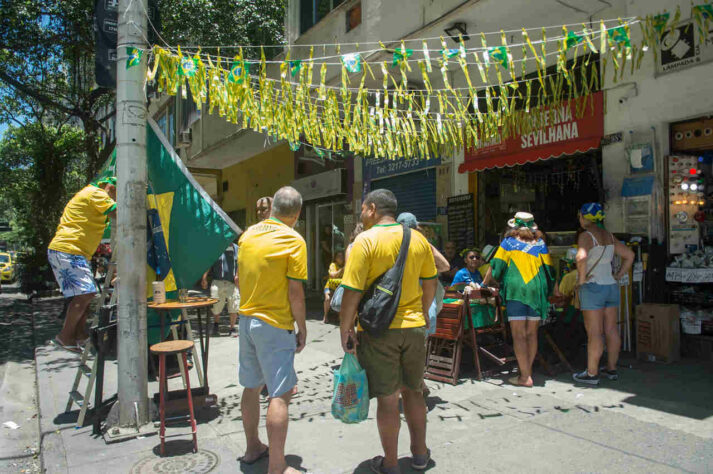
198 303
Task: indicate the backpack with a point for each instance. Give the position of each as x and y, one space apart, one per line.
378 306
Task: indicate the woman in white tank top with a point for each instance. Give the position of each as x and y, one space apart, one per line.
599 291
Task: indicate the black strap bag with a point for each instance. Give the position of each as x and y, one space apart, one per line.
378 306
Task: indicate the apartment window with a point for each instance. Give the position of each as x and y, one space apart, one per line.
354 17
166 121
312 11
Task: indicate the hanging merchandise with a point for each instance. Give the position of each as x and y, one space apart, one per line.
514 78
134 58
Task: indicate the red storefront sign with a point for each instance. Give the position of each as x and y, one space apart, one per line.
562 134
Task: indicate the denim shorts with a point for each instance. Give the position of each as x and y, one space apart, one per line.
593 296
517 311
266 356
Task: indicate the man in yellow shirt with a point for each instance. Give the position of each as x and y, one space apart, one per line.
394 361
78 235
272 264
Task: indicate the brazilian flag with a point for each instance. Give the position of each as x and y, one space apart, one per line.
525 272
186 230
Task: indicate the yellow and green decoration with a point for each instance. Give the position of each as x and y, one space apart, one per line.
501 96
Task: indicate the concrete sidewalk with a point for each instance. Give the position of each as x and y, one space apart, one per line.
657 418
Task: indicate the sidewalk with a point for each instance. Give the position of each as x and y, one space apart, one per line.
657 418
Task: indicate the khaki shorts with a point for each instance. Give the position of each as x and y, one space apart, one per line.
395 359
225 292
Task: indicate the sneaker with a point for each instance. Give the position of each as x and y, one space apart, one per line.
610 374
584 377
216 330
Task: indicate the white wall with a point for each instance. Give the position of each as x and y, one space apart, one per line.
660 100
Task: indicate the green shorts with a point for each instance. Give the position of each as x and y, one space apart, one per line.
393 360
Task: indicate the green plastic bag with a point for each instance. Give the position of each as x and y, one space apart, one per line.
350 401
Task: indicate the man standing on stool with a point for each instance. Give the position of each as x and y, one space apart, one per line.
224 288
272 264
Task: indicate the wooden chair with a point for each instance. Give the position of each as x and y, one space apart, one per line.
445 345
488 297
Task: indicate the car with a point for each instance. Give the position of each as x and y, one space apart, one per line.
7 267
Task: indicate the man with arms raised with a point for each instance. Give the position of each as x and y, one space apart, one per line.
395 360
272 264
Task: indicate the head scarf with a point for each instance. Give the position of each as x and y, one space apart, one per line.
593 212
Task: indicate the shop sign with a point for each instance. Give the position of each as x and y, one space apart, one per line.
689 275
682 47
561 132
329 183
375 168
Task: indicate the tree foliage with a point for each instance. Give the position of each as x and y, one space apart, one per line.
41 167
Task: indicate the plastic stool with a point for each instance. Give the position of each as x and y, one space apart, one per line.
162 349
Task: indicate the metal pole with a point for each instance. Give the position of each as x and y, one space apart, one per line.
131 216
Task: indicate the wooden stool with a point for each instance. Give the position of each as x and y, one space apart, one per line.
162 349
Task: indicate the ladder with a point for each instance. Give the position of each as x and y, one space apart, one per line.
83 370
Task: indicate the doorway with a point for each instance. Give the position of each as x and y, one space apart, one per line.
329 237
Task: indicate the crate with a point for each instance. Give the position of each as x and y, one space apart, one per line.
658 335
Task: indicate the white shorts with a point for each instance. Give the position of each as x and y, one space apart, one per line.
225 292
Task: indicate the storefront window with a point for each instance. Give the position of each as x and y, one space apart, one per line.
552 190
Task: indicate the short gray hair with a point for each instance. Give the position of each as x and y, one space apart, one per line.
287 202
384 201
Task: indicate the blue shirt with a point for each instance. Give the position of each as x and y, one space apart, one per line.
464 276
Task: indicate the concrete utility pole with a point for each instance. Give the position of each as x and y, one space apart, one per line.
131 214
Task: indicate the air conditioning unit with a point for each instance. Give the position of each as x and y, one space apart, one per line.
184 139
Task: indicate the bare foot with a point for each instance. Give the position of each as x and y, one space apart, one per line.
521 382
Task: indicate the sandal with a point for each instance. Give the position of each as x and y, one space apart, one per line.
420 462
377 465
58 342
260 456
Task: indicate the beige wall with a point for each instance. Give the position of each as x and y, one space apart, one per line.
259 176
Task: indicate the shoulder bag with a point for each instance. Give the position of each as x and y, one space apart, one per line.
379 304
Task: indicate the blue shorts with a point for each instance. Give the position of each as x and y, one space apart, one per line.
72 272
266 356
593 296
517 311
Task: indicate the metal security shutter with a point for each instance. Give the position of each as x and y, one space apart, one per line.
416 192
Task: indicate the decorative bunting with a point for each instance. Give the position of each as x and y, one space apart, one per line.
394 120
401 55
352 62
238 72
134 58
499 55
295 67
189 67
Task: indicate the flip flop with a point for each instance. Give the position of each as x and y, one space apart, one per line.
74 349
420 463
262 455
377 465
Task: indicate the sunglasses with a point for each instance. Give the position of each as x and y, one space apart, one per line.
474 257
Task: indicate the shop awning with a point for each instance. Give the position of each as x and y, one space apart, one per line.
563 134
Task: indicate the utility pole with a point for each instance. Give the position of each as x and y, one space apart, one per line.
131 216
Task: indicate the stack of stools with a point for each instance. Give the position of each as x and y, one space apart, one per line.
162 349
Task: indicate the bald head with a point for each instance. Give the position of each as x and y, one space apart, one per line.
287 203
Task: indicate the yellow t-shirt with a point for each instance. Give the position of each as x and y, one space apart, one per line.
568 284
375 251
333 283
269 253
83 222
483 270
